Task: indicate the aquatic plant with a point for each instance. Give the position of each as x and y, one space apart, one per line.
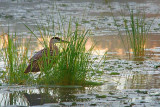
72 63
114 73
15 58
137 29
72 66
101 96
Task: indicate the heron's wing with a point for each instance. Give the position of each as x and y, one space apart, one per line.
38 55
36 62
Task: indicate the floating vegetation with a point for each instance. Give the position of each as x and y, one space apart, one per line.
8 16
111 93
114 73
74 104
93 104
64 5
101 96
142 92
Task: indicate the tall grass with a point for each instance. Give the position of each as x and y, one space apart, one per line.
71 65
137 29
15 58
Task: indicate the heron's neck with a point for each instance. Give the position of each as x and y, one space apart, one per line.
52 46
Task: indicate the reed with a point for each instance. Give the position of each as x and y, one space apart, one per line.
137 29
15 58
71 65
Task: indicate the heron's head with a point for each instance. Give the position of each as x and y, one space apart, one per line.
57 40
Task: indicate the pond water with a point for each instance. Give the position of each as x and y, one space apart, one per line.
138 82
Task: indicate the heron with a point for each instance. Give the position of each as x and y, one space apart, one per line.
35 62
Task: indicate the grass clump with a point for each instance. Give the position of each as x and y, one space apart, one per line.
72 66
136 28
15 58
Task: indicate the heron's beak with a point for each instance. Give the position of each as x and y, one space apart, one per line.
63 41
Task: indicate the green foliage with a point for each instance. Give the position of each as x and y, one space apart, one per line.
71 65
114 73
136 29
15 59
74 104
142 92
101 96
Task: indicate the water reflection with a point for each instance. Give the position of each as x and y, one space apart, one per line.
83 96
43 95
113 45
15 98
144 81
53 95
131 81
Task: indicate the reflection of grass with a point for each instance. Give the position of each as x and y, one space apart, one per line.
106 1
14 98
136 29
15 59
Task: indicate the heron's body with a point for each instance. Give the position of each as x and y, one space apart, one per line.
36 62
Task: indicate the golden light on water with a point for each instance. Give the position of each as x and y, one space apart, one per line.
120 52
3 41
89 44
103 44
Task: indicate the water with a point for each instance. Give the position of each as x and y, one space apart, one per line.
138 83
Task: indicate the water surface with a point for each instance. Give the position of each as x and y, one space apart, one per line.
138 82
